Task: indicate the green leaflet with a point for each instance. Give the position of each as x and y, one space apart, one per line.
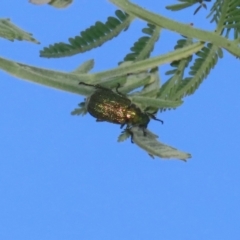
11 32
186 4
90 38
143 47
152 146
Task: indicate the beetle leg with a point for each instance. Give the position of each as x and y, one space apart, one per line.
122 125
153 117
96 86
121 94
87 84
100 120
131 134
143 128
132 137
144 132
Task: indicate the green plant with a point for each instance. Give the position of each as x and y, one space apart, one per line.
195 54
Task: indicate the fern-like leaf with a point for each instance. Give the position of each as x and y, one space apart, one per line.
206 60
153 147
124 136
60 3
151 89
81 110
11 32
143 47
226 15
85 67
91 38
186 4
169 87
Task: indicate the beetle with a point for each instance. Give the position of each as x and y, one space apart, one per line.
114 107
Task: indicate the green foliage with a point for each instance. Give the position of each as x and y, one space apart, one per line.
153 147
194 56
188 3
60 3
124 136
168 90
206 60
90 38
177 86
81 110
11 32
226 15
85 67
143 47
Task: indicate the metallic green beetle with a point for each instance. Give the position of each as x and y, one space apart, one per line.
106 105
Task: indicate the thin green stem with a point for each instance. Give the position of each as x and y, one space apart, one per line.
150 62
69 81
183 29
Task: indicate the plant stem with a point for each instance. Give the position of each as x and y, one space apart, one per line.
183 29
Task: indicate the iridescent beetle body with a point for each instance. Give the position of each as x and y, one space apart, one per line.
106 105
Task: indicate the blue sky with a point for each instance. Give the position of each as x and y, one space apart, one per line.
65 177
